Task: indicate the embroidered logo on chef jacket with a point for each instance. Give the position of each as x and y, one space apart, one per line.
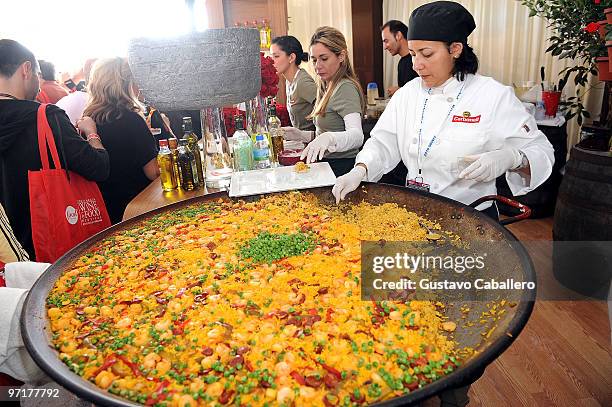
466 118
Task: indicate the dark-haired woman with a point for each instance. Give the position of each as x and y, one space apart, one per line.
301 89
455 131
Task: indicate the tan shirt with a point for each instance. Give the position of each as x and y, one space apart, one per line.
344 100
301 94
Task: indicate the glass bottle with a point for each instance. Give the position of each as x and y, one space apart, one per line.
192 142
166 167
173 144
268 33
257 115
261 152
188 172
218 160
274 127
263 37
243 147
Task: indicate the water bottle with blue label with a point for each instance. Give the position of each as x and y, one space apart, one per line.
261 152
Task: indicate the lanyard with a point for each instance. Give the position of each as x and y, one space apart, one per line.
435 136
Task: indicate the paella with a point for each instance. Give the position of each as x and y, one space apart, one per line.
248 303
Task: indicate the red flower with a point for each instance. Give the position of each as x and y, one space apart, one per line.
591 27
269 77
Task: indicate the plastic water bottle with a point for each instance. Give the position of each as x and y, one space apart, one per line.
261 152
372 93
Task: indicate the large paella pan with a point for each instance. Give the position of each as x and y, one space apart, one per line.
429 368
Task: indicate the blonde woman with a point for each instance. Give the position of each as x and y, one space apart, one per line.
338 108
114 107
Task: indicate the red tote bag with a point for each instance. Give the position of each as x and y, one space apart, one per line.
65 208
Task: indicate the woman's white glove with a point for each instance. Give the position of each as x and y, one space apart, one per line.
348 183
315 150
488 166
293 134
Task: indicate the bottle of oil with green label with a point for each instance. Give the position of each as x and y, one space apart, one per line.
187 167
192 142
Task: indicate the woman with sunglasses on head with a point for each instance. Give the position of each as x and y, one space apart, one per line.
339 105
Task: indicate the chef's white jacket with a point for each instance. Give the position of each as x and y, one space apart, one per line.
487 117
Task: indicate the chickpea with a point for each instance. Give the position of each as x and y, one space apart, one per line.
106 311
282 369
307 392
162 325
54 313
208 361
150 360
223 352
215 389
284 395
163 366
90 310
186 401
270 393
124 322
69 347
395 315
104 379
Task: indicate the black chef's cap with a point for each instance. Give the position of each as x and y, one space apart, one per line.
444 21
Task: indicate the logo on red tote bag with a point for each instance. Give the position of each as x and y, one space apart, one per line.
89 211
72 216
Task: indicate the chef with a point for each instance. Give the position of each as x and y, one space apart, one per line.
456 131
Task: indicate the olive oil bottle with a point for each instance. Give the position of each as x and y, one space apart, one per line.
173 144
166 167
188 173
192 142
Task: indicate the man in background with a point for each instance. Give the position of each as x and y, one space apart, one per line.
74 103
50 90
394 40
19 84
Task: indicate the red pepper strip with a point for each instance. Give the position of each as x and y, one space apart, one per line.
377 307
328 315
118 289
108 362
330 370
129 364
104 266
180 327
298 378
160 394
313 311
249 366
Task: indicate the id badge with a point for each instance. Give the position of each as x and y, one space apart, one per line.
417 183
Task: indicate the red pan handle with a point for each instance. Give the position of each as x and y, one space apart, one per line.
525 211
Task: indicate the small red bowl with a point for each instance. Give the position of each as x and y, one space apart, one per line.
289 157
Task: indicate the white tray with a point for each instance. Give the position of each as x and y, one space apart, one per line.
279 179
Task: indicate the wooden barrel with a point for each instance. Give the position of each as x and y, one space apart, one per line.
582 229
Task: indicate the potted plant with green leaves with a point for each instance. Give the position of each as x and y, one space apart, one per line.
576 24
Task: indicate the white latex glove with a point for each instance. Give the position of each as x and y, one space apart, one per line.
489 166
315 150
293 134
348 183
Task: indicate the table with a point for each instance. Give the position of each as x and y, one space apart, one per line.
153 197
